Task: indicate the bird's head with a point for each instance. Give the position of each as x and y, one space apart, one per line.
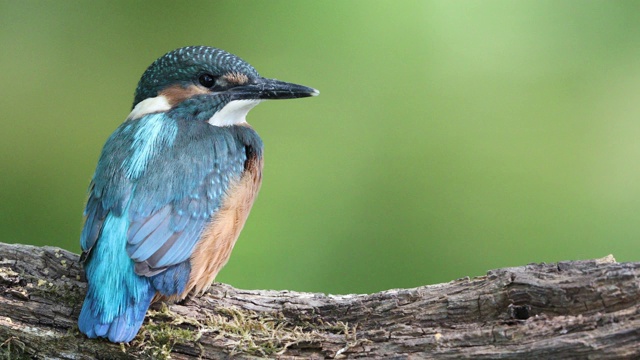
205 83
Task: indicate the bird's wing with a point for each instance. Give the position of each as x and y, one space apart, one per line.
171 195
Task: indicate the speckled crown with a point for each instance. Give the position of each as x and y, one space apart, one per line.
185 63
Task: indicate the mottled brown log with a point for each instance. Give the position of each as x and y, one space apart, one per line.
569 310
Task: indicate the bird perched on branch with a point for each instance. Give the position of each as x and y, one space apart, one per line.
173 187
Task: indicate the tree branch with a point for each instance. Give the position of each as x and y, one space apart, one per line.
567 310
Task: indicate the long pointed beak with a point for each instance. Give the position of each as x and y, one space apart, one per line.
271 89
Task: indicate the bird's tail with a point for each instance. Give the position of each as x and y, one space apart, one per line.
117 298
119 328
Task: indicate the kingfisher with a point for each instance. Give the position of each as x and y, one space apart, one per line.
173 186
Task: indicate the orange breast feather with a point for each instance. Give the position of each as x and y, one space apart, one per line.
217 240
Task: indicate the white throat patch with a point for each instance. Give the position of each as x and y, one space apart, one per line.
149 106
233 113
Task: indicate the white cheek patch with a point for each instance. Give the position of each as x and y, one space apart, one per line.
149 106
235 112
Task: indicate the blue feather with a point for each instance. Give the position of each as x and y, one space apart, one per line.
154 132
141 230
106 312
173 280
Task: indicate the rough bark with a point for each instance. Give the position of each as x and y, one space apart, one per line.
574 309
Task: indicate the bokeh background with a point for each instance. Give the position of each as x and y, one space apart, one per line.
450 137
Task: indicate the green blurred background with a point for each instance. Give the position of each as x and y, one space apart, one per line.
450 137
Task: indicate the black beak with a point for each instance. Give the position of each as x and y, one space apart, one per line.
270 89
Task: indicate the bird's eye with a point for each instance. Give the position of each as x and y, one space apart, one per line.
207 80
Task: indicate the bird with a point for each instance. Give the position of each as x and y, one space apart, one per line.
173 187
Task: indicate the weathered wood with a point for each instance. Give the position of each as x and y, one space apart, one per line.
568 310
